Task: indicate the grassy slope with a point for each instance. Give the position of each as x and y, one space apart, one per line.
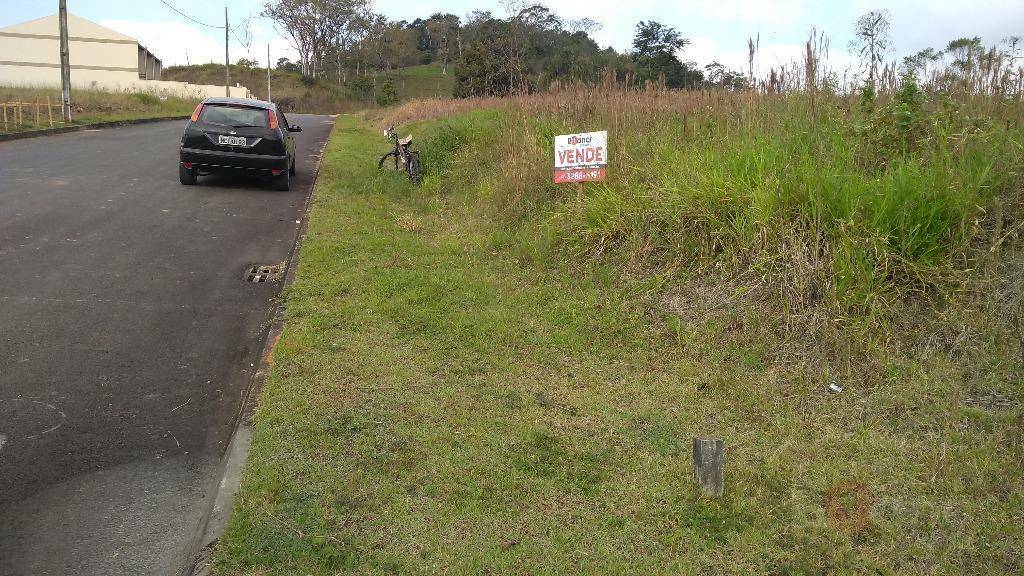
321 96
424 81
93 106
442 400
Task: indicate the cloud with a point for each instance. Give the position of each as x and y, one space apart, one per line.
180 43
918 24
703 50
781 13
172 42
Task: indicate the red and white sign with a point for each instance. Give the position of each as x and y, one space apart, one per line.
581 157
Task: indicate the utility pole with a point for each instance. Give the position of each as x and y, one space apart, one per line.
227 59
65 63
268 73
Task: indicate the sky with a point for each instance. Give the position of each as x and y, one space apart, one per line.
717 29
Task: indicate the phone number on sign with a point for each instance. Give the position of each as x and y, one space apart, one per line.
591 175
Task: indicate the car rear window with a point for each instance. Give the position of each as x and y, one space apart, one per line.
233 115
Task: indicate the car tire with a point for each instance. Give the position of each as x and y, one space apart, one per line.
283 182
186 176
291 169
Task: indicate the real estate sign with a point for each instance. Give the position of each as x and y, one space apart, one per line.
581 157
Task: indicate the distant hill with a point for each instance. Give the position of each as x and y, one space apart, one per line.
304 94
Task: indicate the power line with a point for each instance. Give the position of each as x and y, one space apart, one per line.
182 14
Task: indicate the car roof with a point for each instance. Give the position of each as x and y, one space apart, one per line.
252 102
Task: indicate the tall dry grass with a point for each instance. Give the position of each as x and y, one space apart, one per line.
831 215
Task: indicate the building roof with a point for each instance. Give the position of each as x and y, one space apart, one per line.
78 27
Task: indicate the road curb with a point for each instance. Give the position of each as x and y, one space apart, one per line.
215 519
80 127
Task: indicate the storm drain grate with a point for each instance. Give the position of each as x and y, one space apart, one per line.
264 272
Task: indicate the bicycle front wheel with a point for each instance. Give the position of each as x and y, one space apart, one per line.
384 158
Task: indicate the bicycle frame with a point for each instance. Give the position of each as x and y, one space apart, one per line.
402 152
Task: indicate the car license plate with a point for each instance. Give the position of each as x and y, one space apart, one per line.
231 140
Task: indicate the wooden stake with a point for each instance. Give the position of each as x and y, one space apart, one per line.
579 192
49 110
5 117
37 113
708 461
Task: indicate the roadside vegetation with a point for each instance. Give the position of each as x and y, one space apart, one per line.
88 106
487 374
493 374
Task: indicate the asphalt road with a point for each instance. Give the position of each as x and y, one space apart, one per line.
127 336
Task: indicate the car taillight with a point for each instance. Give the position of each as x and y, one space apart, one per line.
272 119
199 110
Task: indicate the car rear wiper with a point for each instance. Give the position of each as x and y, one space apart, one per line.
246 126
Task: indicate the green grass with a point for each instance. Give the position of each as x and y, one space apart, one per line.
449 395
90 106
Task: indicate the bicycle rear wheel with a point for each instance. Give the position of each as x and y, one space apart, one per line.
414 168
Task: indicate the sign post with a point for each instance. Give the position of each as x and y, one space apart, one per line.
581 158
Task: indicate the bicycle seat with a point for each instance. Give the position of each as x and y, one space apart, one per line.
405 141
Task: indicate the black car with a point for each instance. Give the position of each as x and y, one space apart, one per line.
238 134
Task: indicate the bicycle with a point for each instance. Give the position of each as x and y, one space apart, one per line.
403 153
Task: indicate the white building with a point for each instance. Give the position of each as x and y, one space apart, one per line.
100 59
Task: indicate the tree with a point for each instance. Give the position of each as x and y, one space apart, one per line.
655 48
287 65
871 41
491 65
441 29
471 24
293 19
388 45
1012 52
652 38
731 80
532 48
964 52
917 64
362 87
586 25
540 18
316 28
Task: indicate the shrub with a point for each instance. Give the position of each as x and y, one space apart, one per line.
388 94
362 87
285 103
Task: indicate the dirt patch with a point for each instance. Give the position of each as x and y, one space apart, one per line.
848 506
